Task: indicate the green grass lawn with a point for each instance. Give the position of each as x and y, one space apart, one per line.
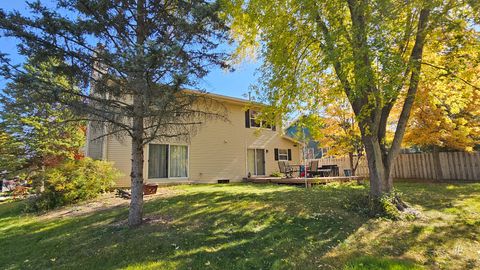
252 227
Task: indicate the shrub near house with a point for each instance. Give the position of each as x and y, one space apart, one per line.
74 181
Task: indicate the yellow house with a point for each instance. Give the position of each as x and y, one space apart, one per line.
219 151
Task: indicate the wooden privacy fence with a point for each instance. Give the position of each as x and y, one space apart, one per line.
449 166
343 164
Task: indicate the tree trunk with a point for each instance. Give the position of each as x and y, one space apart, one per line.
380 160
136 204
381 181
436 164
352 167
135 214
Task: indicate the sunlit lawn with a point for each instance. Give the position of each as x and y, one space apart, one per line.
253 227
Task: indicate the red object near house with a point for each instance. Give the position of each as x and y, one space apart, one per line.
149 189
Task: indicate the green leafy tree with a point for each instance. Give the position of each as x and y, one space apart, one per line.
136 57
370 51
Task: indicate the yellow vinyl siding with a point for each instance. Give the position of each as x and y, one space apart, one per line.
119 151
217 151
95 144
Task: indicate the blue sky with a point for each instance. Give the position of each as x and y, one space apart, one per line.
234 84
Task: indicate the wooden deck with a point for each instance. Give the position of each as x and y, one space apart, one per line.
305 181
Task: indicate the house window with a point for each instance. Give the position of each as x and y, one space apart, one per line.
282 154
167 161
252 121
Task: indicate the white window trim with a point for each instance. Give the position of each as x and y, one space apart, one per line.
168 169
251 117
283 155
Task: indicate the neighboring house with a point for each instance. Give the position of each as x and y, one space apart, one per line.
313 149
219 151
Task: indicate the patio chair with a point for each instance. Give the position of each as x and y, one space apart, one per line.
313 171
334 170
286 169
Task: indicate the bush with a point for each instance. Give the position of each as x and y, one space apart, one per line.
276 174
72 182
389 206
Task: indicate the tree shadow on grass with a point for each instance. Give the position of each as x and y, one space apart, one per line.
207 230
447 237
438 196
451 246
214 227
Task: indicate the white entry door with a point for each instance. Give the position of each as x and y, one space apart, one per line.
256 161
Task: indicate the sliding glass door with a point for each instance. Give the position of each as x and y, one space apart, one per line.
157 161
256 161
178 160
167 161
